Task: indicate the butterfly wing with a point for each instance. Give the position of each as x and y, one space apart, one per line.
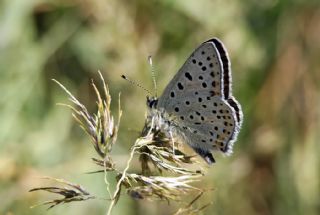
196 96
227 80
201 74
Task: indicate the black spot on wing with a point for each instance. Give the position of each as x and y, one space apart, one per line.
180 86
188 76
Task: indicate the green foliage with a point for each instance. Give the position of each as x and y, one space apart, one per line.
274 49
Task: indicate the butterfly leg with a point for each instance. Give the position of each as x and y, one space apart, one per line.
171 136
151 127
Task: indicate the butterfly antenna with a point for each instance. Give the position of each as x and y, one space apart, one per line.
153 74
136 84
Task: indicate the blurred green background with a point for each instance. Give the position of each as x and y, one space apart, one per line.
274 47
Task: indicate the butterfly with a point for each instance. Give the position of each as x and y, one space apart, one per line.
197 106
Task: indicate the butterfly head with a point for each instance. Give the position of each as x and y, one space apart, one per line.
152 102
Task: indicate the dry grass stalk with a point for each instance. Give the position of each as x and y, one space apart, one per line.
152 147
189 209
71 192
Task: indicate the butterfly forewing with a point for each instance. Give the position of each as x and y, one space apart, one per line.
200 75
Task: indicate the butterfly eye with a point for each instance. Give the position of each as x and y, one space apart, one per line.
152 102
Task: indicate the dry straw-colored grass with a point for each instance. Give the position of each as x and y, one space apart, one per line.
166 173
